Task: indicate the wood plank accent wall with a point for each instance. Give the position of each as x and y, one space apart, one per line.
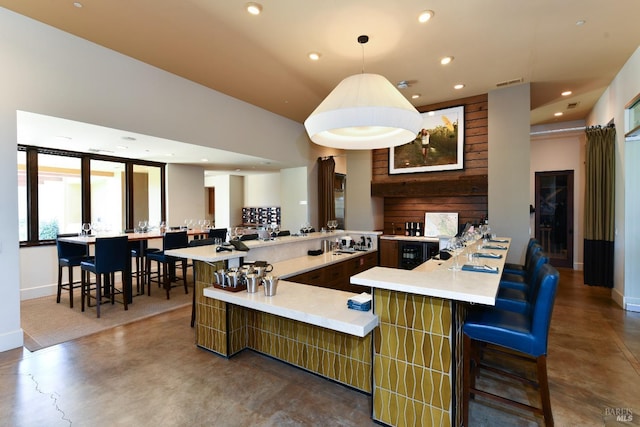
408 196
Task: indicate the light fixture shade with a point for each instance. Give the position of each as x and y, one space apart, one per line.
364 112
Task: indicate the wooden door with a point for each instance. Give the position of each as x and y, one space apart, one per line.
554 216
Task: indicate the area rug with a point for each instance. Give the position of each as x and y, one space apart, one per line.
46 323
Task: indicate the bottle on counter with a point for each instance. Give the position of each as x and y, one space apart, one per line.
407 231
418 229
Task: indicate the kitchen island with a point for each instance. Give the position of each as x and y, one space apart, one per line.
306 326
406 353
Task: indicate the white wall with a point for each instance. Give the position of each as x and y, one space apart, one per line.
362 212
185 198
624 87
50 72
262 190
294 198
509 159
562 151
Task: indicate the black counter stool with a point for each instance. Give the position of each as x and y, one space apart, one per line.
111 256
139 249
69 255
513 336
511 268
170 240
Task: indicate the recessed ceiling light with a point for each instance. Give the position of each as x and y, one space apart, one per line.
458 86
446 60
558 114
431 113
425 16
566 93
403 84
314 56
122 147
254 8
77 4
168 154
63 138
415 96
204 160
580 22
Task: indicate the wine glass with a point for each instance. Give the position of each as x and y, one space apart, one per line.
86 229
455 247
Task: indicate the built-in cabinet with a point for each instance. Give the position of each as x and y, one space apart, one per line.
337 276
388 253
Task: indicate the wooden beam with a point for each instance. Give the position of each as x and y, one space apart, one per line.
473 185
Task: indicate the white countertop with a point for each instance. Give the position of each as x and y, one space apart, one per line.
309 304
304 303
436 279
430 239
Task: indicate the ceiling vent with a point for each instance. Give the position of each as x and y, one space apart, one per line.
510 82
572 105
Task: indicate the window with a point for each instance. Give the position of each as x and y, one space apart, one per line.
22 195
55 196
60 192
107 196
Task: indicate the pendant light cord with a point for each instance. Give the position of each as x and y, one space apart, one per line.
363 40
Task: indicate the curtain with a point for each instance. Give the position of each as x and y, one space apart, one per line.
326 182
599 206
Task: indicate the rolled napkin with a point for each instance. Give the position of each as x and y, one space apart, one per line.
487 255
499 247
480 268
497 240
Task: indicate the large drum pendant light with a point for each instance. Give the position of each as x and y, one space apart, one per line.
364 112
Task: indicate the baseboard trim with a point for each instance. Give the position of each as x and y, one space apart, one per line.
11 340
617 297
632 304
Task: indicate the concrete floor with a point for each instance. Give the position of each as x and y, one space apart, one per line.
150 373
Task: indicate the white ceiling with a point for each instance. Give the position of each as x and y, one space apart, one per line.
265 57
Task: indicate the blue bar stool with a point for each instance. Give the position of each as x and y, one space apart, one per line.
69 255
521 282
520 269
111 255
520 300
170 240
513 335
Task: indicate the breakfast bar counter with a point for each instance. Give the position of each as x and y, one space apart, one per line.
417 355
405 353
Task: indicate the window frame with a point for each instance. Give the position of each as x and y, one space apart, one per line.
85 172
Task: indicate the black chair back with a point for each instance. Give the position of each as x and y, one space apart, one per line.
218 233
175 240
70 250
202 242
112 254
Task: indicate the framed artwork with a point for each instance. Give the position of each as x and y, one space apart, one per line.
439 146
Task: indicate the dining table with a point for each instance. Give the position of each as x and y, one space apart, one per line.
136 236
